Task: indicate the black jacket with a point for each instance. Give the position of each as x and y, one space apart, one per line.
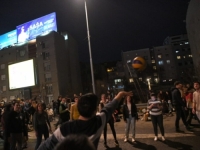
16 122
133 111
176 98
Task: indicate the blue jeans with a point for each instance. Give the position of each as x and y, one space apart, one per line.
130 122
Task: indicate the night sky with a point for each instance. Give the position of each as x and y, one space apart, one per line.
115 25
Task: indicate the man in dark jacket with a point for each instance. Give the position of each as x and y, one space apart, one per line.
16 125
179 106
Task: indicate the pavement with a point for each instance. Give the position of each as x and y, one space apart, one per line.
186 140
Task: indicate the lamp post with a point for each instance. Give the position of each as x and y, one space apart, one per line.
89 45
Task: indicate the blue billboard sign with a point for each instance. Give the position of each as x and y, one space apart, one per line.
8 39
32 29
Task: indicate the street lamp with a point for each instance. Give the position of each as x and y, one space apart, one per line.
90 52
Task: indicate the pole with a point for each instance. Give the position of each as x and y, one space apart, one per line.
90 52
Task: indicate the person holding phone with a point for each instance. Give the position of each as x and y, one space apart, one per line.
155 109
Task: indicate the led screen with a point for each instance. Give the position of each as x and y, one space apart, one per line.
8 39
21 74
32 29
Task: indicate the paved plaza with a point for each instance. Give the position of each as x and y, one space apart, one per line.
144 137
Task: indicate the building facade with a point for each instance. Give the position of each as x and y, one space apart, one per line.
56 64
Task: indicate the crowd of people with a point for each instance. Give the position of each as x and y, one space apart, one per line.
87 116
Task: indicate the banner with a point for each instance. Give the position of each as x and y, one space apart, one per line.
8 39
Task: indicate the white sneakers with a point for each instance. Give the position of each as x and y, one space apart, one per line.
133 140
156 138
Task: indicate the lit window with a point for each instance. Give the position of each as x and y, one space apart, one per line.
159 56
131 80
110 69
183 56
186 42
189 55
155 74
181 44
2 66
118 81
164 80
178 57
160 62
140 79
47 66
170 79
153 61
154 67
177 51
3 77
128 61
168 61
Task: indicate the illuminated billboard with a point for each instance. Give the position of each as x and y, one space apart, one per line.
21 74
8 39
39 26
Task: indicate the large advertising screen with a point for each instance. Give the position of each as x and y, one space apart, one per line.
8 39
21 74
32 29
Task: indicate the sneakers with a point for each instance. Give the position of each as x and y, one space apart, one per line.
155 138
163 138
133 140
125 140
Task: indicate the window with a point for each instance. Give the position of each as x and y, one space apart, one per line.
178 57
155 74
118 81
45 55
170 80
164 80
160 62
140 79
146 57
3 77
154 67
2 66
183 56
189 55
159 56
4 88
180 64
42 44
49 88
128 61
48 77
47 66
168 61
153 61
186 42
131 80
177 51
167 55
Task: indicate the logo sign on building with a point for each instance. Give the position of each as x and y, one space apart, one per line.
39 26
8 39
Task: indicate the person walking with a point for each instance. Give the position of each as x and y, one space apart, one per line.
111 122
130 116
180 106
40 124
155 109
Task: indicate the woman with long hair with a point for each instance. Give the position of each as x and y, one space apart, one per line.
130 116
40 122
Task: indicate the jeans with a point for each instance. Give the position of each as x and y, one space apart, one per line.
157 120
41 130
112 127
16 138
130 122
180 114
